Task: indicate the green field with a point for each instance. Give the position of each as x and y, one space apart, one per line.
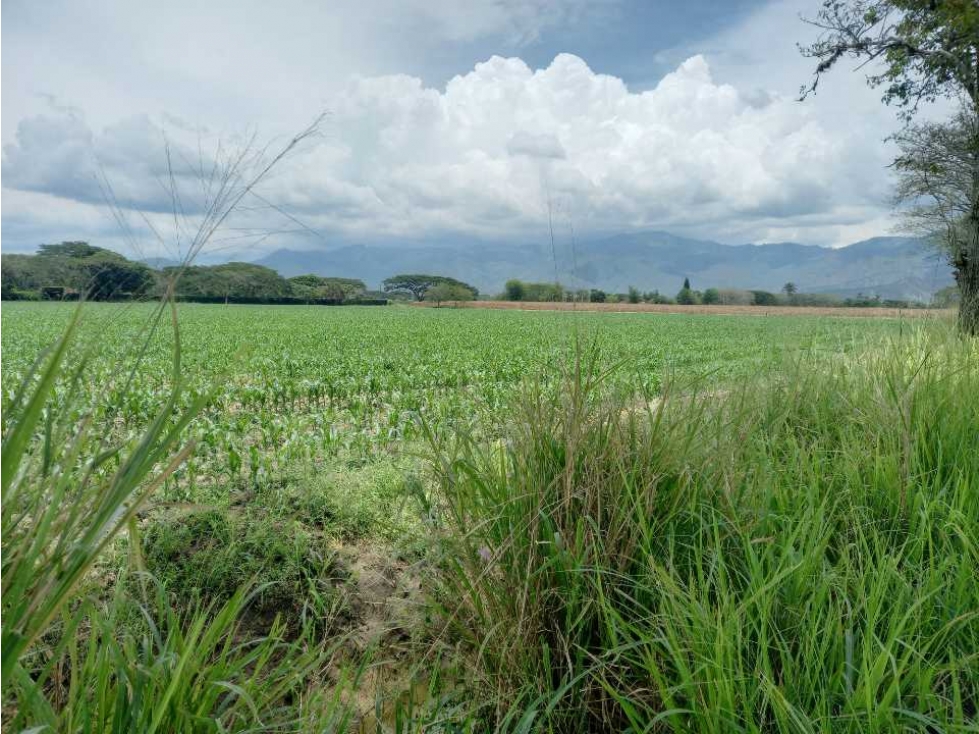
309 383
404 519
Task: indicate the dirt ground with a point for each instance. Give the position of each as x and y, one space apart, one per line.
716 310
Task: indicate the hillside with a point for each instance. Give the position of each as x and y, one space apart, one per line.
892 267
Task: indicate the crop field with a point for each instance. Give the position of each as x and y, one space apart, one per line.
294 385
417 519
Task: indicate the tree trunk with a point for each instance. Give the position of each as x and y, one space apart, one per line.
966 265
965 260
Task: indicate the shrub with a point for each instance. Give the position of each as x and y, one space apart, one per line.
687 297
443 292
513 290
764 298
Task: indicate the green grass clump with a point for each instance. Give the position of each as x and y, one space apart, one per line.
211 554
797 552
86 646
142 665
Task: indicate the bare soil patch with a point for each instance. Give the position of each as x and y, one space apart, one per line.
715 310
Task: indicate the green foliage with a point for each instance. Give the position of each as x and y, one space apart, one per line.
656 297
306 437
687 297
794 554
711 296
229 281
294 386
923 50
112 276
75 267
69 488
140 664
764 298
633 295
77 250
312 287
513 290
417 285
538 292
211 554
78 656
442 292
597 296
928 48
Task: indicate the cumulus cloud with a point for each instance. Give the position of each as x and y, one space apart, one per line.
481 156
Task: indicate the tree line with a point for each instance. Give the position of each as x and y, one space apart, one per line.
518 290
73 270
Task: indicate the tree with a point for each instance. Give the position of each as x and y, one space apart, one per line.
938 180
711 296
790 289
929 49
418 284
442 292
543 292
686 297
596 296
75 248
316 287
514 290
633 295
76 267
229 281
764 298
113 276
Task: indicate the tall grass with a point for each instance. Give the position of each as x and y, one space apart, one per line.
794 553
83 649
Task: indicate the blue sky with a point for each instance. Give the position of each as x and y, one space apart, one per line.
446 120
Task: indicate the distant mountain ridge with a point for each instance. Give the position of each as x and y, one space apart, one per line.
891 267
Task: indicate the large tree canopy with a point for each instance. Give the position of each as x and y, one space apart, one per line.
418 284
318 287
921 50
229 281
927 47
93 271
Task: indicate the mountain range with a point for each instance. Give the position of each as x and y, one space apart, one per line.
891 267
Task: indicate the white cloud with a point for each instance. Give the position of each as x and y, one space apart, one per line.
481 156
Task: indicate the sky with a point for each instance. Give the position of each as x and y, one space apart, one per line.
443 122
